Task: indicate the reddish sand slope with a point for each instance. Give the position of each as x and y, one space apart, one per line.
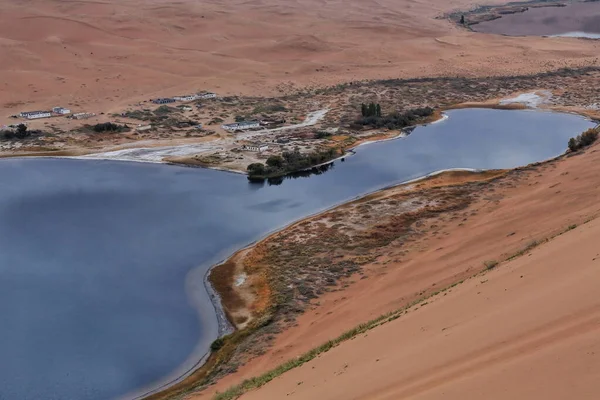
533 204
528 330
101 55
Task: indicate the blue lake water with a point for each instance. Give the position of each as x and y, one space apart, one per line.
99 260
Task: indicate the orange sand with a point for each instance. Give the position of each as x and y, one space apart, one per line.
103 55
535 204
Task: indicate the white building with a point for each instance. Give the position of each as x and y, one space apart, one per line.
207 95
141 128
35 114
83 115
187 97
259 147
238 126
61 110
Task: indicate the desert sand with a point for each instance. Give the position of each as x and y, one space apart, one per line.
533 205
528 329
103 55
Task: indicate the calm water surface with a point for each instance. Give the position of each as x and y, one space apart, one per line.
96 256
574 20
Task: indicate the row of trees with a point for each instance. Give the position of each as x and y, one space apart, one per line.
396 120
585 139
290 161
110 127
370 110
21 132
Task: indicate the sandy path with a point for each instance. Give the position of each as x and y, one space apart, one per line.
529 329
158 154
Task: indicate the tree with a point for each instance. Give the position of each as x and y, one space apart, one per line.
275 161
372 110
21 129
378 110
462 19
573 144
256 169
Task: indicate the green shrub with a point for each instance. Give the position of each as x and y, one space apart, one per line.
585 139
217 344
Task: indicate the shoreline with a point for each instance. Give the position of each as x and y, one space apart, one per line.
433 174
224 323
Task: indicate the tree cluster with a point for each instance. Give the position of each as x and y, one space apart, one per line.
110 127
370 110
290 161
396 120
585 139
21 132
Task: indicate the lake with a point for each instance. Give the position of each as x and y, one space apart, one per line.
573 20
102 262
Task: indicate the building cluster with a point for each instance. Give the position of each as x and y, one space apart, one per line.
56 111
83 115
240 126
187 97
258 147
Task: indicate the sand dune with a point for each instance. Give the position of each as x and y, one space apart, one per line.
534 204
102 55
530 329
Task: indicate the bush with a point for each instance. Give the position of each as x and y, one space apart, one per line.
275 161
585 139
256 169
217 344
109 127
322 134
21 132
163 110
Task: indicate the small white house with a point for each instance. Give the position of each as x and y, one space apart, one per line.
187 97
141 128
259 147
61 110
35 114
238 126
165 100
83 115
207 95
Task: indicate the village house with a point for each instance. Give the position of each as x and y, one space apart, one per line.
259 147
61 110
207 95
238 126
187 97
35 114
141 128
83 115
164 100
